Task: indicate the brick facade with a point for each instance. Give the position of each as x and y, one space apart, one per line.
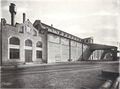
23 32
57 45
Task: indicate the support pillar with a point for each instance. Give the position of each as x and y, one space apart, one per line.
69 50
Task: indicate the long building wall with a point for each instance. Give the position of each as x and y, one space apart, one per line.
60 50
57 46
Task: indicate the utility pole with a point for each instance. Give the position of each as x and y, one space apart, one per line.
1 43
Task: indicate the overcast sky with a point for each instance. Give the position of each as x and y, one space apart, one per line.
83 18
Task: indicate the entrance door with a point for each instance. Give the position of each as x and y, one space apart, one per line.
28 55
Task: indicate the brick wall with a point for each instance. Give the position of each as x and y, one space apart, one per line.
58 49
10 31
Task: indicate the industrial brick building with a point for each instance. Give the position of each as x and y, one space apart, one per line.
40 43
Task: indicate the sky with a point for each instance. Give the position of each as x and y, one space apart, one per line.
99 19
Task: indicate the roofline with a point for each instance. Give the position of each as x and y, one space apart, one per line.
103 45
61 30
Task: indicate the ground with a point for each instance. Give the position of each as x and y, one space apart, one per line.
70 76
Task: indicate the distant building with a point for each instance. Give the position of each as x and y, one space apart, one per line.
40 43
88 40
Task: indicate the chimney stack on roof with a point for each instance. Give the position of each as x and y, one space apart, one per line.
51 25
24 17
12 10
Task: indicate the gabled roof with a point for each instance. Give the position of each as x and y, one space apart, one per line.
39 25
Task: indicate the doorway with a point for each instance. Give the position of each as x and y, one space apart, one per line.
28 55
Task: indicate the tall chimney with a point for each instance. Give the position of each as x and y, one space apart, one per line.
13 12
24 17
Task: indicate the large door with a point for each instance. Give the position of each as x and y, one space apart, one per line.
28 55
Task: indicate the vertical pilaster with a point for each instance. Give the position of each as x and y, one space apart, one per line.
22 51
82 52
69 50
34 52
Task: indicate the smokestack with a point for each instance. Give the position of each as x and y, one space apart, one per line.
51 25
24 17
12 10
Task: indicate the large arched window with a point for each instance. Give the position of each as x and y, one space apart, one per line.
28 43
39 44
14 41
14 45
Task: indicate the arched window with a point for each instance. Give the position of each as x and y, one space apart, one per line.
14 44
39 44
14 41
38 49
28 43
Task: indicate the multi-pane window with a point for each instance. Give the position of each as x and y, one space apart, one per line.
14 53
39 54
28 43
38 49
14 41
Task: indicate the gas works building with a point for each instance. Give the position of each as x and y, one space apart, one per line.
25 42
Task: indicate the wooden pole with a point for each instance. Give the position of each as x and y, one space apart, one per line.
1 43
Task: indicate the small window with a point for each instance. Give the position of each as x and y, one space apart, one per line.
39 44
28 43
39 54
14 53
34 33
21 30
14 41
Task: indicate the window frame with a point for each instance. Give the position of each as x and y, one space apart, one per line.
16 38
28 44
40 55
13 46
15 55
